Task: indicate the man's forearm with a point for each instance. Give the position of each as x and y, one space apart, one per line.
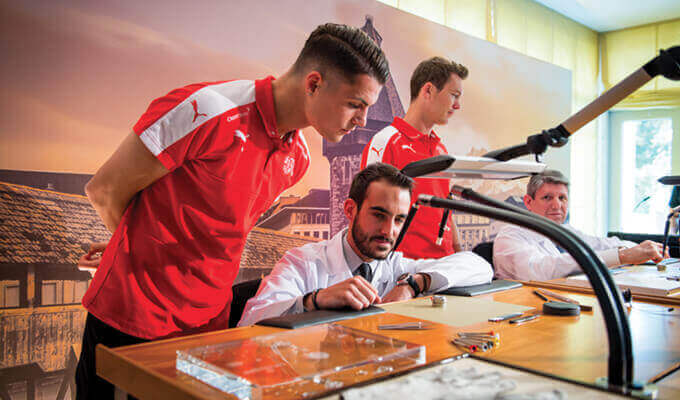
130 169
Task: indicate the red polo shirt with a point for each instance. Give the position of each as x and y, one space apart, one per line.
169 266
400 144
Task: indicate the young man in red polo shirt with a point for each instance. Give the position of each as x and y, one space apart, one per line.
436 88
183 190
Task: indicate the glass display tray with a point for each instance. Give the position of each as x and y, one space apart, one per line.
307 361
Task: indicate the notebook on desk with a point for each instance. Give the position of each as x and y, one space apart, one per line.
294 321
640 279
475 290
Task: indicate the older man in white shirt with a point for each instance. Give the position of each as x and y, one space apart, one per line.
522 254
356 268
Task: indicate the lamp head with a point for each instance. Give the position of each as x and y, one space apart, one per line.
667 63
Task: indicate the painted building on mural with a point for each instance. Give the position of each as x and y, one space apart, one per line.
308 216
42 235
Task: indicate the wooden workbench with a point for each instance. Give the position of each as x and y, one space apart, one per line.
570 347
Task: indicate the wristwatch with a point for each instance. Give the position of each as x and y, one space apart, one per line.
407 279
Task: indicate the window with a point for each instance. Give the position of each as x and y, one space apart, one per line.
80 289
316 234
641 151
345 170
10 293
49 293
325 235
74 291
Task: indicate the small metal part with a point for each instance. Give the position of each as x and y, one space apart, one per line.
406 326
438 300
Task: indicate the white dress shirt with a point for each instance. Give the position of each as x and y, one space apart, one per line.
323 264
519 253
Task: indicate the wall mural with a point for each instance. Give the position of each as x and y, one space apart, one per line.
76 75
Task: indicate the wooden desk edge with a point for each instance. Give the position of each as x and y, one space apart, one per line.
123 373
588 290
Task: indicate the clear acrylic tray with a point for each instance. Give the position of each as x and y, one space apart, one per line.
305 361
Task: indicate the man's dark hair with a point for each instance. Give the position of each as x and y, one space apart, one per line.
345 49
547 176
436 70
376 172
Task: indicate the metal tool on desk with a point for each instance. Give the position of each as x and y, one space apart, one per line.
583 307
406 326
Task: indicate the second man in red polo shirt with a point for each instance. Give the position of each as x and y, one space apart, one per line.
436 89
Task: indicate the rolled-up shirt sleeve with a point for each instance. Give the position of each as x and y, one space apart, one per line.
458 269
524 255
280 293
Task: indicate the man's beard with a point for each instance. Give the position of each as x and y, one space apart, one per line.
362 241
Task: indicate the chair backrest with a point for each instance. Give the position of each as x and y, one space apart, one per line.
241 293
485 250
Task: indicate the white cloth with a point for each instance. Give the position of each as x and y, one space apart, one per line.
519 253
323 264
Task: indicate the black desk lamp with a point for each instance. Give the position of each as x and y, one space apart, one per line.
667 63
620 363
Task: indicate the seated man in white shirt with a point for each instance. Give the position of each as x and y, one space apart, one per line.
356 267
522 254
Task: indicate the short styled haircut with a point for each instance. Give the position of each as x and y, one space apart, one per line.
344 49
436 70
377 172
547 176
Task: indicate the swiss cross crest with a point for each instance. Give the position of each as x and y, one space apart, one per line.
289 165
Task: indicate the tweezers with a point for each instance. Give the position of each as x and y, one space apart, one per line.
406 326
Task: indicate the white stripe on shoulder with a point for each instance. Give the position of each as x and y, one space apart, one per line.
376 150
304 143
195 110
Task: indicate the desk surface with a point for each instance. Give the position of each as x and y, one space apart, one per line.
570 347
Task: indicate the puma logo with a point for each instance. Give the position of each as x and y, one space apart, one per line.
242 136
377 151
197 114
407 146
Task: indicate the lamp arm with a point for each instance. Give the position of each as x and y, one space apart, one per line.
667 63
620 362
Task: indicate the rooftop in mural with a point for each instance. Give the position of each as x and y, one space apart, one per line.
265 247
315 199
41 226
62 182
283 201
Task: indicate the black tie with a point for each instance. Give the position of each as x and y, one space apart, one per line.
364 271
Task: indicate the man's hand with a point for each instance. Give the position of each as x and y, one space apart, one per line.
354 292
90 261
645 251
399 293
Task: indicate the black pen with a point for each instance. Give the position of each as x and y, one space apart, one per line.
520 321
537 293
504 317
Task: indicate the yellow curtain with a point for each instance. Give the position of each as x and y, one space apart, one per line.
625 50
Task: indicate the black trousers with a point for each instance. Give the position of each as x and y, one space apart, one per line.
88 384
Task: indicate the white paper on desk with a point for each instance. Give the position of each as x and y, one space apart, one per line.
470 379
647 277
458 310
